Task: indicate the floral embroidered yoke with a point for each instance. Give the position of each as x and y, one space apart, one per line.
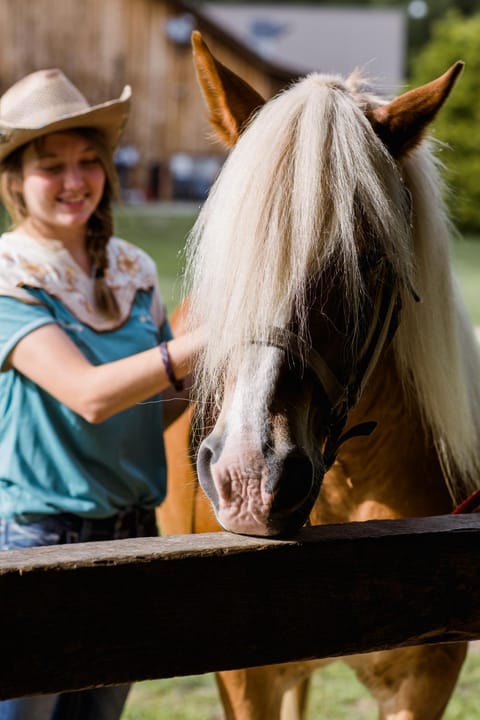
27 262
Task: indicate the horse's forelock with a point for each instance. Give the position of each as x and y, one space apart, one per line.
286 203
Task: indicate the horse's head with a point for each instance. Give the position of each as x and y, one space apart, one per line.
300 260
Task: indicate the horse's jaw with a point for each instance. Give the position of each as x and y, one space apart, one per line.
266 494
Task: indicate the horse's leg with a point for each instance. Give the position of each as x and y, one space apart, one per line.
411 683
294 703
271 692
250 694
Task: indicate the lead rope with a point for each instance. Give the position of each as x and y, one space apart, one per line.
470 505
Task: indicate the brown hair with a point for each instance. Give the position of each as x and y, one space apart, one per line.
100 223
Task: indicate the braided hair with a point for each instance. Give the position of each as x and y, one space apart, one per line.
100 223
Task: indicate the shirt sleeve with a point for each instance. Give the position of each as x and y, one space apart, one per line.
18 319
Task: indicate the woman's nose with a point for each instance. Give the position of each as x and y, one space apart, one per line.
73 177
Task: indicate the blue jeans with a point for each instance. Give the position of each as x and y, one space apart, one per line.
105 703
96 704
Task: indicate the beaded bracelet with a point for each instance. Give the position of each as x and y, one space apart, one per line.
177 384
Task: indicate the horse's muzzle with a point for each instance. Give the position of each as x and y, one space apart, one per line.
267 496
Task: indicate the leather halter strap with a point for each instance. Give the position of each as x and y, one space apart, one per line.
293 345
385 311
383 322
342 397
383 314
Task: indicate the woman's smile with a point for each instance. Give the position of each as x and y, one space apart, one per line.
62 183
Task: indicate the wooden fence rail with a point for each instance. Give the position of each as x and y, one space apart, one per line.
103 613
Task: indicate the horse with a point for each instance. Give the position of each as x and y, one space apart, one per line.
342 378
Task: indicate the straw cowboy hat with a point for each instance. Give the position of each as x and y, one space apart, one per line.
46 101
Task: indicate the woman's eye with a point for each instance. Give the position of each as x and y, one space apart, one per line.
52 169
90 161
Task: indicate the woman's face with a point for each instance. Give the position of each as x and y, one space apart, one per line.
62 183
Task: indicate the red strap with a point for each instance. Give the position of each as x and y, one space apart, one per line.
471 504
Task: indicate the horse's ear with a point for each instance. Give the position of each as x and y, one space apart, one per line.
401 123
231 101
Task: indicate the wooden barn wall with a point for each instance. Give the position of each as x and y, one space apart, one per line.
103 45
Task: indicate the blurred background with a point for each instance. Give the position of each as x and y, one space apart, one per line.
167 152
168 161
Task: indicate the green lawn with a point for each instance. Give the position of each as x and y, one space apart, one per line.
336 693
162 233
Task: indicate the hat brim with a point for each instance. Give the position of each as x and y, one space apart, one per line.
109 117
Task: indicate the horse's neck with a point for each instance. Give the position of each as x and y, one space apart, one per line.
394 472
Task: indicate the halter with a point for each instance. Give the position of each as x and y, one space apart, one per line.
342 397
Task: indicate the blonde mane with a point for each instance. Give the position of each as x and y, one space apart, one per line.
305 175
436 350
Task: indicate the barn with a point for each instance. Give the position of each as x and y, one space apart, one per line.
167 151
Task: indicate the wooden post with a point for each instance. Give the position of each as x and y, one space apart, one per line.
104 613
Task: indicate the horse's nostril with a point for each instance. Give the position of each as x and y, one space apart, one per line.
295 482
207 455
205 458
209 451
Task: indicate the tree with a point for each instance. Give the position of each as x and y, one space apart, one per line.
458 123
420 29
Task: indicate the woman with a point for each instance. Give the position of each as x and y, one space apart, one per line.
85 347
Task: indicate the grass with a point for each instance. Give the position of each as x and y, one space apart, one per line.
336 693
162 233
186 698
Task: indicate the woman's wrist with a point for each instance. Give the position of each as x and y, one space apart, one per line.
183 351
176 382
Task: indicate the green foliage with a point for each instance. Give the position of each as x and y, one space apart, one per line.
458 123
420 29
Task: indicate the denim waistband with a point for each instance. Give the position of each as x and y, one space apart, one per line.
130 522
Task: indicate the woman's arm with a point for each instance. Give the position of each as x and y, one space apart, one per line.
50 359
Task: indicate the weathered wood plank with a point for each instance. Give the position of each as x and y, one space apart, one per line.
101 613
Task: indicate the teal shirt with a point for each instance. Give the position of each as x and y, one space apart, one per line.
51 459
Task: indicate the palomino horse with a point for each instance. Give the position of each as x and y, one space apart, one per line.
321 270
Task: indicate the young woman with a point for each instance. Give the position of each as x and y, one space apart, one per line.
87 358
